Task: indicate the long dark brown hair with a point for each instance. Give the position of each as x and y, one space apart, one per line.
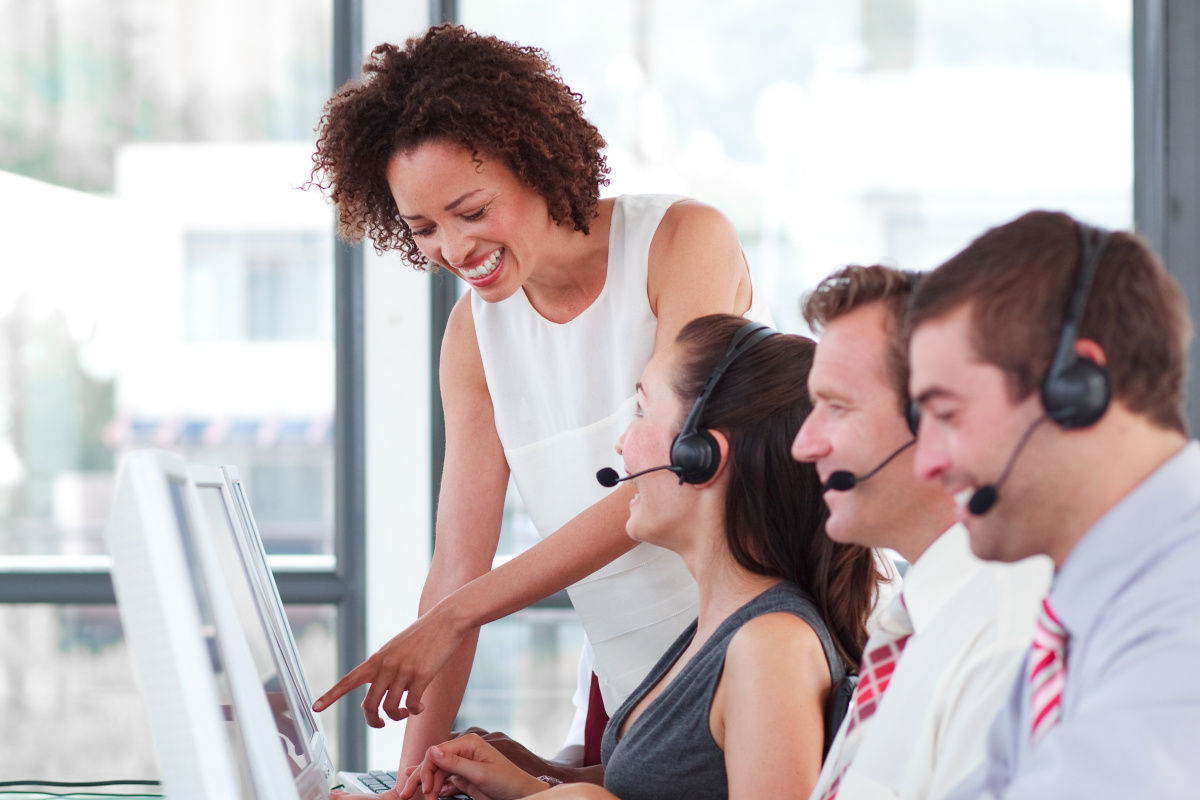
774 513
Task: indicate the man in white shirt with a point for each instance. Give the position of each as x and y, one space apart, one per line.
961 626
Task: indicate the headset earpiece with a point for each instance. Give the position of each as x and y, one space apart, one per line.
695 454
698 455
1076 391
1078 396
912 415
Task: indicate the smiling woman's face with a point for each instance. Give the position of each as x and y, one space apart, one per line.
474 217
661 504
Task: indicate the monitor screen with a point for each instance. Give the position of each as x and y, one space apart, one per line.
272 606
292 723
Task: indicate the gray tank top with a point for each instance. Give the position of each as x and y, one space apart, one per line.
669 751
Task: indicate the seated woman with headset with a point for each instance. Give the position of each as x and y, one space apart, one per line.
736 706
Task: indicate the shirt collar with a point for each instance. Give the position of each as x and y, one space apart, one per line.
945 567
1124 539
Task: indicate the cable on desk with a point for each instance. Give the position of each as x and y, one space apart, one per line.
79 790
80 784
34 793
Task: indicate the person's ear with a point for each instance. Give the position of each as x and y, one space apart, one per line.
1091 350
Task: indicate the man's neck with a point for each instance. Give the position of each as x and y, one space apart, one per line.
1143 448
923 531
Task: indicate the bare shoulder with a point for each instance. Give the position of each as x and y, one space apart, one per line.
694 235
460 358
770 699
693 219
461 324
696 266
778 644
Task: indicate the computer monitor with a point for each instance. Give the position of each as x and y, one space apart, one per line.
256 559
261 613
271 608
213 727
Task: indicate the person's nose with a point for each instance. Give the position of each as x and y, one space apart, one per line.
620 446
457 248
810 442
931 459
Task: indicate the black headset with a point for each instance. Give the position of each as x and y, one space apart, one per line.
695 454
912 414
1076 390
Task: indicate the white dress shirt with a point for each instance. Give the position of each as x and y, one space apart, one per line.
972 625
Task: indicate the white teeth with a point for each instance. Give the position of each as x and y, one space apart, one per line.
486 267
964 496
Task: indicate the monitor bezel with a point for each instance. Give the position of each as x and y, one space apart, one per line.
271 611
160 612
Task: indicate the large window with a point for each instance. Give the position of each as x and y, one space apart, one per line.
166 284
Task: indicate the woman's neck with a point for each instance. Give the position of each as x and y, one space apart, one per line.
572 268
724 586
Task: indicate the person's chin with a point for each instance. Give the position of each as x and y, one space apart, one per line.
497 292
634 528
988 539
841 528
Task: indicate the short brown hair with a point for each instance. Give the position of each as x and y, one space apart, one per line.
453 85
853 287
1018 278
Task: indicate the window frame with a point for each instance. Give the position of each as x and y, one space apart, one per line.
87 581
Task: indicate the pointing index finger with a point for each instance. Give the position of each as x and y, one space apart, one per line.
353 679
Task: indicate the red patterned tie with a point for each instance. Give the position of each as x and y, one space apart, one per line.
1047 673
879 662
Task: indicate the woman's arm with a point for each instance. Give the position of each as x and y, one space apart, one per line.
460 593
469 514
696 268
768 710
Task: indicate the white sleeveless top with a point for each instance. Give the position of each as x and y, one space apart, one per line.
563 394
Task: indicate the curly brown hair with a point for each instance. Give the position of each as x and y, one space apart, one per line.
453 85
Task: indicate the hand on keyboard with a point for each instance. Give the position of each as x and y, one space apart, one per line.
470 764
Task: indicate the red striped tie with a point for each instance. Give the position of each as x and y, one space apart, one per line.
1047 673
878 663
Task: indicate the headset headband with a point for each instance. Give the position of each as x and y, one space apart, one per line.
1092 242
746 337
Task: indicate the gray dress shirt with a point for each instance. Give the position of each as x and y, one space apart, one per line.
1129 597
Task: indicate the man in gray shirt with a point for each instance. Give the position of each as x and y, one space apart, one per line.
1048 363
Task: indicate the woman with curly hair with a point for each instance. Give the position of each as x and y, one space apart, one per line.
468 153
736 707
